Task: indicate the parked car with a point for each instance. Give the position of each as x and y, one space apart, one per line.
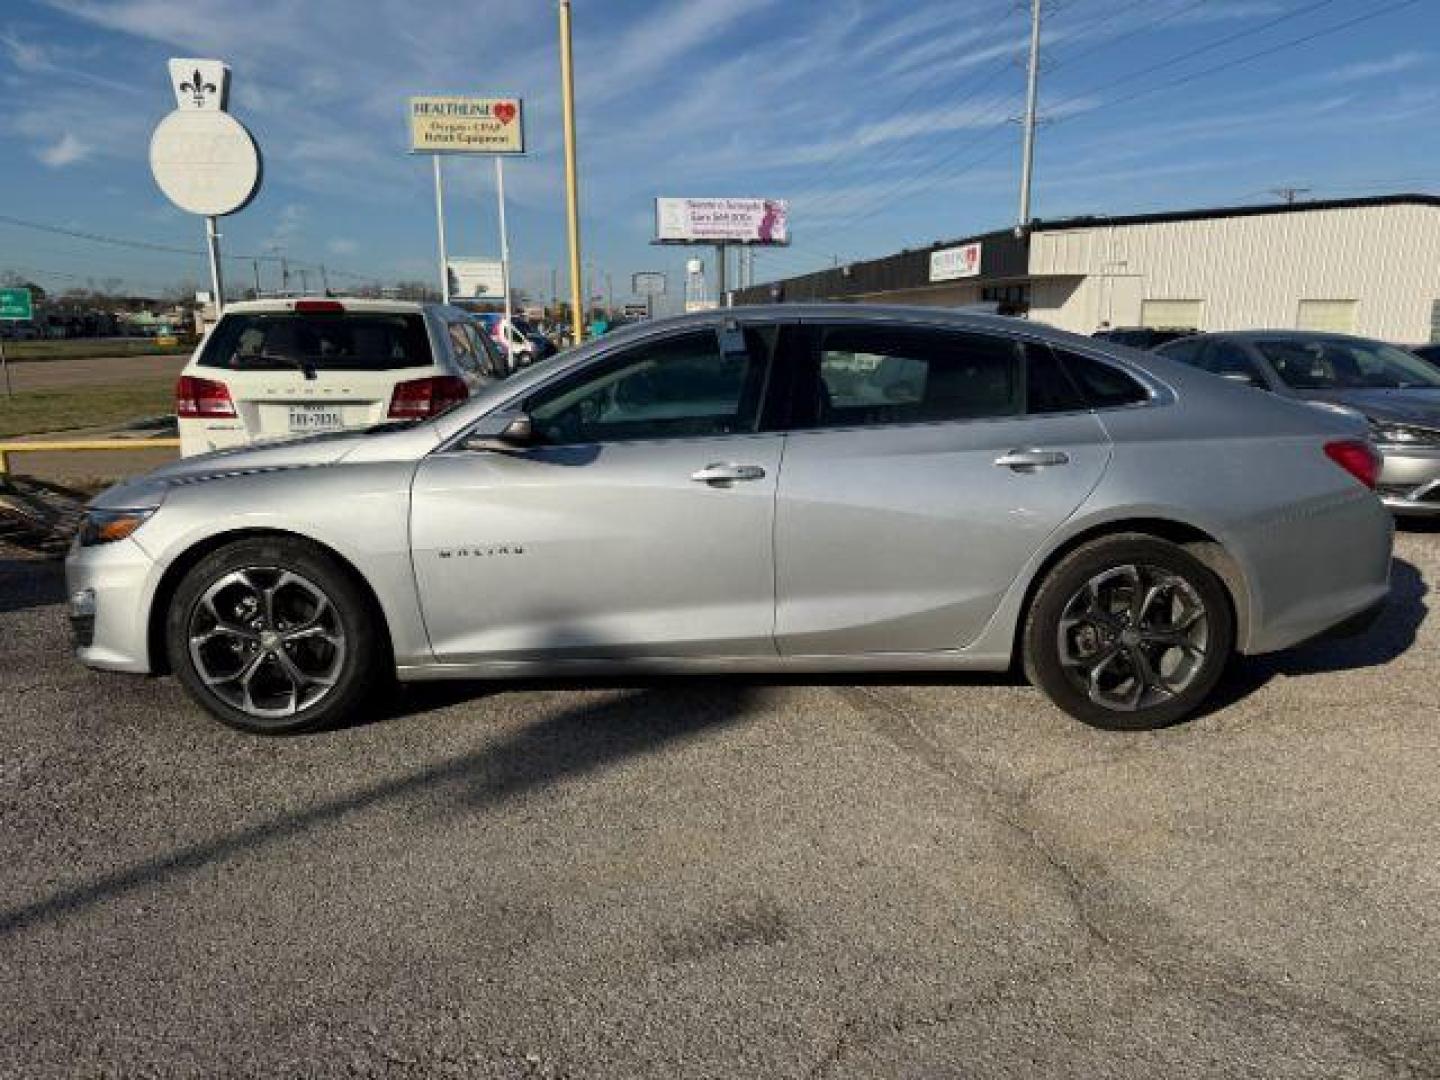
276 369
518 339
1142 337
1397 394
725 491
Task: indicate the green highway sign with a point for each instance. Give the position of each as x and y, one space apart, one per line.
15 305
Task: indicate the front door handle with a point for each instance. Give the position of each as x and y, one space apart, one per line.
724 473
1031 458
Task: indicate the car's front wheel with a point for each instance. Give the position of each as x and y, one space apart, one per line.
273 637
1129 632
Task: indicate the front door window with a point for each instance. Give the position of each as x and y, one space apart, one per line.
679 387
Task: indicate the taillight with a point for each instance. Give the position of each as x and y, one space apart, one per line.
1357 457
426 397
334 307
204 399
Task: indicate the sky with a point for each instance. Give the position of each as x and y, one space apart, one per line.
886 124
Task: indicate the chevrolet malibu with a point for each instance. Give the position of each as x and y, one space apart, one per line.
789 488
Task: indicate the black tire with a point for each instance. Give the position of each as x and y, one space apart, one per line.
1081 639
342 645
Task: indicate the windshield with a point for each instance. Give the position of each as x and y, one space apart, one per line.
322 341
1342 364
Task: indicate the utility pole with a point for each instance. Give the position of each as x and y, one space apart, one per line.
255 266
304 282
572 193
1290 194
325 279
1032 94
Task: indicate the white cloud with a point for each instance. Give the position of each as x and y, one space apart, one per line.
342 246
1370 69
67 151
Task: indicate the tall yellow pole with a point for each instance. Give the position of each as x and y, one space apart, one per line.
572 184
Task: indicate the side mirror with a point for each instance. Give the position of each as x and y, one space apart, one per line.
502 434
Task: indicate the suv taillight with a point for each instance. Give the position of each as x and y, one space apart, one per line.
419 398
203 399
1357 457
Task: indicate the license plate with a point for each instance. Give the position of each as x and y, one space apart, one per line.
315 418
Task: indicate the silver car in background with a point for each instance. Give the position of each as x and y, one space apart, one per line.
787 488
1393 391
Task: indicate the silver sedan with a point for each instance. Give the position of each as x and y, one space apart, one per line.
790 488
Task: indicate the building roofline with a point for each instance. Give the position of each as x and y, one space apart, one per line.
1254 210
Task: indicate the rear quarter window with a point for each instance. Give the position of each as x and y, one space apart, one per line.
324 341
1104 386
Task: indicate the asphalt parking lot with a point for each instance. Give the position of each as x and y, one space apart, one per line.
725 878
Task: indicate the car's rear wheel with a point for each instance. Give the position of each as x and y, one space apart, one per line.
1129 632
272 637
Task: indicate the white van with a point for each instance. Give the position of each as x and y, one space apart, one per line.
276 369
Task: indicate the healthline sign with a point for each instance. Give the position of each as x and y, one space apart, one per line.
466 125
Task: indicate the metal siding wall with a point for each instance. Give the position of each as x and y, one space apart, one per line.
1254 271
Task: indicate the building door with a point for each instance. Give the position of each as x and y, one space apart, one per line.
1170 314
1330 316
1120 299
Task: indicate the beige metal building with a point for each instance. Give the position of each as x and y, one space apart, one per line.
1365 266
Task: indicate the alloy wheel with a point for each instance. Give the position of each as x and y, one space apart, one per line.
1133 636
266 641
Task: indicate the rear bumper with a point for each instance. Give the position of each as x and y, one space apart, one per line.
1315 571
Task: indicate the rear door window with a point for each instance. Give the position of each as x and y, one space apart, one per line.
319 341
873 375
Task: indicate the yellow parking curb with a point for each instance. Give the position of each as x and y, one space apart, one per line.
79 445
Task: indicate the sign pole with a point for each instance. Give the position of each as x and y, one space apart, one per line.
504 235
440 230
572 194
212 244
5 367
720 276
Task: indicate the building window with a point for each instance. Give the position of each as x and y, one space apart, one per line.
1170 314
1009 299
1330 316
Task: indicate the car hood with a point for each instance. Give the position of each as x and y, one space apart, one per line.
148 490
1398 406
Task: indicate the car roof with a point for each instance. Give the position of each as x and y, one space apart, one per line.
959 318
1294 335
350 303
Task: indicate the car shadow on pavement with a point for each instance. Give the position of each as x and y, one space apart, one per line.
573 740
29 583
1391 636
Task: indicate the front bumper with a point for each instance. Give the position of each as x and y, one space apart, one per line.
109 587
1410 479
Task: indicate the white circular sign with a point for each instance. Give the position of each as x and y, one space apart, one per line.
205 162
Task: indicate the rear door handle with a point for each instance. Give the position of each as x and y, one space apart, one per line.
1031 459
724 473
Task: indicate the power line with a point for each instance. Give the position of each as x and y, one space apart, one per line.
1268 51
904 131
1192 53
168 249
1304 39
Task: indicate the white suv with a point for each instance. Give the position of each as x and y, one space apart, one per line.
275 369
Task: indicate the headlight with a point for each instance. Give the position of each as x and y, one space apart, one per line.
107 526
1403 434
